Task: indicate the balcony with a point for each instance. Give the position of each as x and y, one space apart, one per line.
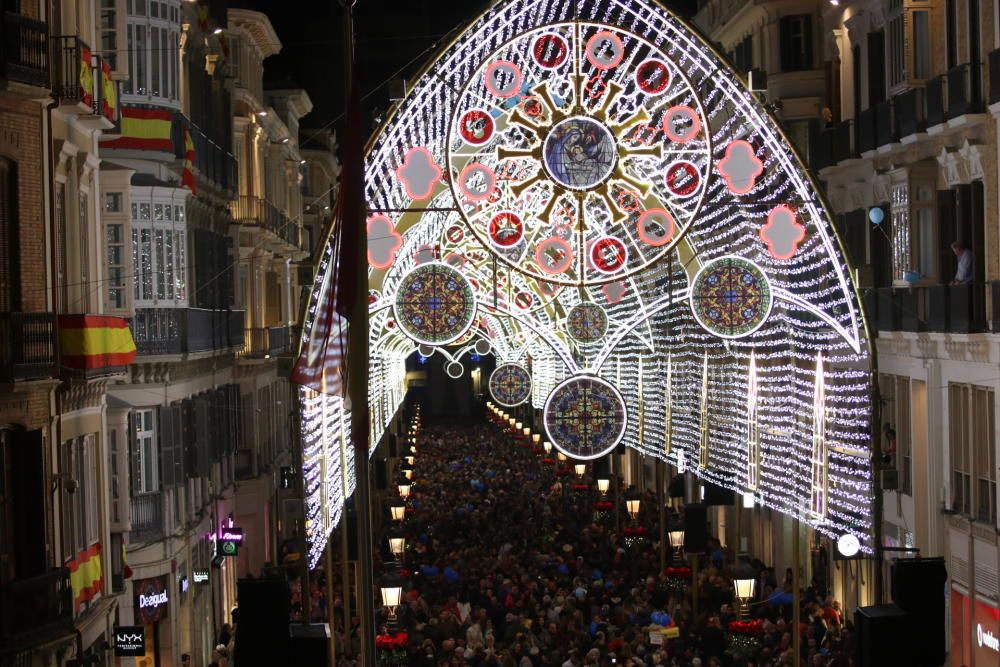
965 88
213 162
932 308
934 99
910 112
35 610
27 346
147 515
24 50
160 331
257 212
72 72
267 342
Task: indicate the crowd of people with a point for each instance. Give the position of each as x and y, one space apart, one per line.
511 562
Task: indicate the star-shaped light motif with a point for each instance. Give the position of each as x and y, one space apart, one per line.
614 292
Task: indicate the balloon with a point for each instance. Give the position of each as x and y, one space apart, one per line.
876 215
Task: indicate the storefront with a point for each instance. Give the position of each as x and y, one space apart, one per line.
151 606
975 631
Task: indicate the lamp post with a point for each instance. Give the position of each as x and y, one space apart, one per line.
677 542
744 586
547 446
398 511
391 588
633 500
404 485
397 543
603 484
580 469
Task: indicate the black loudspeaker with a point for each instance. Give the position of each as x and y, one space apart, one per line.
381 475
718 495
621 448
263 625
602 467
309 644
391 442
695 529
675 489
351 526
918 587
883 637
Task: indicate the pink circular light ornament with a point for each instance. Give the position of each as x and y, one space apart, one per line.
503 78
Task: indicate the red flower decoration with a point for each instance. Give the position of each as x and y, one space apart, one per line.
581 487
677 572
634 532
604 506
747 627
392 642
549 461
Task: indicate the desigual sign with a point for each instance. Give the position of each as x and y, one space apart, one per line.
987 638
151 599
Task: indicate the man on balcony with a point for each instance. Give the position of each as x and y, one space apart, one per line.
963 276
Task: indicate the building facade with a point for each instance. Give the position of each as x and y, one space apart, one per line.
897 114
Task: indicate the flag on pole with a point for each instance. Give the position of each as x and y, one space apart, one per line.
322 361
187 174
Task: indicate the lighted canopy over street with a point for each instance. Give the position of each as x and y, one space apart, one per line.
587 190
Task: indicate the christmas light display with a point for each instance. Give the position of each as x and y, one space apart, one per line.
610 202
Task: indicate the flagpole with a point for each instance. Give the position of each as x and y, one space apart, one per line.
357 347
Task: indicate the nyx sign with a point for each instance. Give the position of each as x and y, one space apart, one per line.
130 640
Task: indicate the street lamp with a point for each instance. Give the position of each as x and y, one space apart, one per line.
404 486
744 585
410 459
603 484
536 438
560 456
397 543
580 469
397 511
391 588
547 446
632 503
407 471
518 425
527 431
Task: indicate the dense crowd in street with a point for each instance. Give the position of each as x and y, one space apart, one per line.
510 563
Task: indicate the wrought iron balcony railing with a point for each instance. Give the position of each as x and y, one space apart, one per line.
185 330
35 610
24 50
27 346
258 212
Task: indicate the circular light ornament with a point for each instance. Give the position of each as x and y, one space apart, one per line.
426 350
476 127
731 297
681 124
655 227
579 153
605 50
554 255
848 545
477 182
608 254
550 50
683 179
510 385
506 229
434 304
587 322
454 369
503 78
652 76
483 347
585 417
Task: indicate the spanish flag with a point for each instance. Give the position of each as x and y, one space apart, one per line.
88 342
86 577
86 78
109 92
187 174
144 129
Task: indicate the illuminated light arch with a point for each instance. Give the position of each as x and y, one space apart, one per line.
579 60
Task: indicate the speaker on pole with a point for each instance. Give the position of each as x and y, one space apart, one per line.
695 529
381 475
918 587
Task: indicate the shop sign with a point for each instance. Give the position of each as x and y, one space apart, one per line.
200 576
151 600
130 641
987 638
228 541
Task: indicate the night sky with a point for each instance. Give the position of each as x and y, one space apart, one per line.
392 36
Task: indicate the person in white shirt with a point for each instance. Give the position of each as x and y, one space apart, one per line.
963 276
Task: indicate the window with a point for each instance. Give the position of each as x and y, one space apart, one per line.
146 456
113 202
159 253
79 497
743 54
897 43
951 33
921 45
109 32
9 229
796 43
154 50
896 416
927 244
972 431
116 265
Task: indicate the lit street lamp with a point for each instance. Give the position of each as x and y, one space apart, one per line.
632 502
397 543
603 484
391 587
547 446
404 486
744 585
580 469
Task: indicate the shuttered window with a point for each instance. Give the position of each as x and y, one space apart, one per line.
8 236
